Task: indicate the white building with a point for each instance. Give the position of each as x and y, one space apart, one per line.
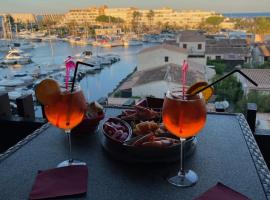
193 41
158 55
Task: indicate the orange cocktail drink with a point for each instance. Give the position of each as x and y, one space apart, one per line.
67 111
184 117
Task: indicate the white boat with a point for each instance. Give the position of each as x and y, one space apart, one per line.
17 56
112 43
13 95
113 57
133 42
23 45
11 82
84 55
78 41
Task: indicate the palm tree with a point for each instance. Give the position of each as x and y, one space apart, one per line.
150 15
136 16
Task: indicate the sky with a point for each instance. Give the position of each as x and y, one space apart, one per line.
62 6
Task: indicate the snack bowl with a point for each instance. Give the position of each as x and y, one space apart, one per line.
94 114
116 131
88 125
124 150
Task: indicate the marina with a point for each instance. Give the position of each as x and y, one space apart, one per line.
110 66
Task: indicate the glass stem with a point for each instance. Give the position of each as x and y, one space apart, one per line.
182 143
70 159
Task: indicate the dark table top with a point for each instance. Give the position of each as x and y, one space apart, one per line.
226 152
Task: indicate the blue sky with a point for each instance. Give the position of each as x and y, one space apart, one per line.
45 6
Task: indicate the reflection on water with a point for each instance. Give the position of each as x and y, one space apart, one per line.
51 56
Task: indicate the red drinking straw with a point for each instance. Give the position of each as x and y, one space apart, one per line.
184 77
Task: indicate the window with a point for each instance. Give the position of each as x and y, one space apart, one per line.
218 57
208 57
184 46
166 58
199 46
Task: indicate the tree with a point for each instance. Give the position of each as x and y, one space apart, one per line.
109 19
262 101
72 27
150 16
262 25
136 16
213 23
228 89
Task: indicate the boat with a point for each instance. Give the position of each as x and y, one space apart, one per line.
23 45
17 56
112 43
78 41
11 82
87 54
133 42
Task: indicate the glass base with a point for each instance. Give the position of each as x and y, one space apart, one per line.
70 162
188 179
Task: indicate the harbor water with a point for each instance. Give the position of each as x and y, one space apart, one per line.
48 56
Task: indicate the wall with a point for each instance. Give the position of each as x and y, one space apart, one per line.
155 58
156 89
199 60
192 47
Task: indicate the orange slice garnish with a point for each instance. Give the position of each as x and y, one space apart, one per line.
207 93
47 91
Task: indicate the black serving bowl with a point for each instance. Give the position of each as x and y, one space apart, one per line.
122 150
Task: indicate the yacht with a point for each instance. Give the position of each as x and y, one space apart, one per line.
112 43
133 42
85 55
24 45
17 56
78 41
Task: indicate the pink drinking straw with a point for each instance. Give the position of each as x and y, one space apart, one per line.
70 64
184 77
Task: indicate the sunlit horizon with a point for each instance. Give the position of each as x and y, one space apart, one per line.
62 6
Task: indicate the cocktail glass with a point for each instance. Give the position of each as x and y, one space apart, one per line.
66 112
184 117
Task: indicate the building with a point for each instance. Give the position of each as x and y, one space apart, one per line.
124 13
260 76
194 43
159 55
231 51
156 81
261 54
108 31
81 16
25 18
190 18
58 18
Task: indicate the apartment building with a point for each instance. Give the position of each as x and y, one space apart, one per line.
186 18
124 13
81 16
24 18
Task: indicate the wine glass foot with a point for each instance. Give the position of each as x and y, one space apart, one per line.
188 179
70 163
